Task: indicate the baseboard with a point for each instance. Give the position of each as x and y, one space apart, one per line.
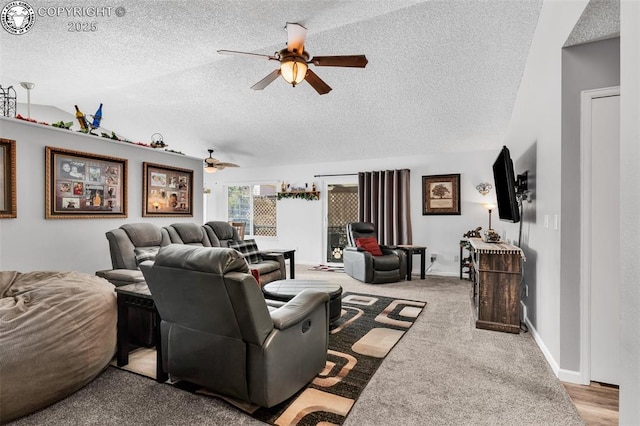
545 351
563 375
443 273
570 376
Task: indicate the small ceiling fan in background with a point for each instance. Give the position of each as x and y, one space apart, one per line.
212 165
294 62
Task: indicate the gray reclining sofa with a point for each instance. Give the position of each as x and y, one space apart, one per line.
134 243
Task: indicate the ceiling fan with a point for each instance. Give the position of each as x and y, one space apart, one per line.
294 62
212 165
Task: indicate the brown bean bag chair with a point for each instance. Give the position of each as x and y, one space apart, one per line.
57 333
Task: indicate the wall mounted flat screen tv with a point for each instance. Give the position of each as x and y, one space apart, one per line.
505 185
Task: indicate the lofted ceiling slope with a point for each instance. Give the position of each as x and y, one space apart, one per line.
442 75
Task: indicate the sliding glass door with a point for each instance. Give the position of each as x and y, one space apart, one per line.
341 207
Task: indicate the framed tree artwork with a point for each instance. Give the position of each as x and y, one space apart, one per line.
167 191
81 185
8 198
441 194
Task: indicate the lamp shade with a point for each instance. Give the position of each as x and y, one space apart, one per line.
293 70
489 206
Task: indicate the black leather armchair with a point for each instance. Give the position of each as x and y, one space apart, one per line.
363 266
218 332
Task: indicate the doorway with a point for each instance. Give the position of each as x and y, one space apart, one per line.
341 208
600 234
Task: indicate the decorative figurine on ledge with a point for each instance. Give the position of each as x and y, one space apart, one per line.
85 126
157 141
474 233
491 236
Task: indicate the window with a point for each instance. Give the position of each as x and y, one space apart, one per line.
255 205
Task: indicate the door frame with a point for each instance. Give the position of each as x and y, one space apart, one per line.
326 181
586 97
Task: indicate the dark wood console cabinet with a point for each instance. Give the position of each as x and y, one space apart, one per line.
497 270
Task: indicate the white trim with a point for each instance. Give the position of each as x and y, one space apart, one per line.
440 274
571 376
545 351
586 97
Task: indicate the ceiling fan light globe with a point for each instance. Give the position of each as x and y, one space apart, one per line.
293 70
210 168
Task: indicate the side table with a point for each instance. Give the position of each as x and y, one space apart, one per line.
288 254
410 250
137 296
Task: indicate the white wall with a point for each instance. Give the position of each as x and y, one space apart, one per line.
300 222
630 212
586 66
536 126
31 242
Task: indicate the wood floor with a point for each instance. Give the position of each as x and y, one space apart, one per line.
596 403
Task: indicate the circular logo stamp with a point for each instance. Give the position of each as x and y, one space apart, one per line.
17 17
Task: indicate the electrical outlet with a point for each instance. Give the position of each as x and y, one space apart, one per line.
434 257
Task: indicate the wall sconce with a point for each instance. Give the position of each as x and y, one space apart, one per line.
484 188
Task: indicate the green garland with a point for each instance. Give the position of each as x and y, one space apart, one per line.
305 195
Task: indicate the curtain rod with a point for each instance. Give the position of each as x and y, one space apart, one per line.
337 174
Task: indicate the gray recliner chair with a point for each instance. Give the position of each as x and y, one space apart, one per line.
129 245
362 265
218 332
270 266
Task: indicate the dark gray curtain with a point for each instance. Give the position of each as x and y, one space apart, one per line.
384 200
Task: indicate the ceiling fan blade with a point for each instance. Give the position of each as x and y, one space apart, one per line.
223 165
296 35
321 87
355 61
267 80
234 52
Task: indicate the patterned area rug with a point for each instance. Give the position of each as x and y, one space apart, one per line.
327 268
370 326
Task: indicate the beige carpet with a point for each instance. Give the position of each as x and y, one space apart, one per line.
444 371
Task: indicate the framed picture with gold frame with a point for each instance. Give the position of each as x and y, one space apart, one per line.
8 197
166 191
80 185
441 194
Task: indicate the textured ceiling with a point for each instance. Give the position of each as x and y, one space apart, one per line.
442 75
599 20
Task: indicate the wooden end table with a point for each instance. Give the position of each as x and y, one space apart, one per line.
137 296
287 254
410 250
